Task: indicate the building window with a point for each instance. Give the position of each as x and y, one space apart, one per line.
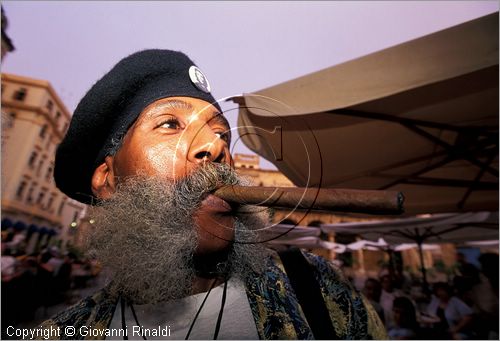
20 94
29 197
51 201
48 174
43 130
47 145
32 159
41 195
20 189
40 165
49 105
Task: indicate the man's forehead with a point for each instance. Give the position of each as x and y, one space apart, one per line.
167 103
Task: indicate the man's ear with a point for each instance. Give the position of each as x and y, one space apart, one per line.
104 180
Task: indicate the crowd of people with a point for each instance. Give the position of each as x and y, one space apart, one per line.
33 282
466 307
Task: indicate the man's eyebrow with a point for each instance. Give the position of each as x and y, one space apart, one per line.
169 104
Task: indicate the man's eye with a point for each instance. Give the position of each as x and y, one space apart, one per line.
223 136
171 123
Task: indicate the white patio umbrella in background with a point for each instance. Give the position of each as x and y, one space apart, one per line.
367 245
420 117
309 243
480 243
408 246
286 231
298 236
381 245
431 228
436 228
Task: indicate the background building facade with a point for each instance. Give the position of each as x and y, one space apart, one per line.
34 121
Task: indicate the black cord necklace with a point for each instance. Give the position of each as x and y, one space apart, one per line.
221 311
199 309
124 326
217 325
223 303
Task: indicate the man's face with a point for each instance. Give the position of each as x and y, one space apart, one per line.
170 139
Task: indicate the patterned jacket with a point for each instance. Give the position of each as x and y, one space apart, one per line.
275 308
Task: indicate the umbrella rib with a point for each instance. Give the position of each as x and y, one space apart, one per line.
450 183
402 233
417 173
376 171
404 120
451 149
451 229
479 175
427 233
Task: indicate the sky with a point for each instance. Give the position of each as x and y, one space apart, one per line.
240 46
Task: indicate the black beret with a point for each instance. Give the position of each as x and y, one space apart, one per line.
113 104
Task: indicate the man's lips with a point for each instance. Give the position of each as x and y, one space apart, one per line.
215 204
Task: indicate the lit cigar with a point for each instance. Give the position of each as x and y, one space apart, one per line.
324 199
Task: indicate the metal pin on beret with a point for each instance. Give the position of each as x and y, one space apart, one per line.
113 104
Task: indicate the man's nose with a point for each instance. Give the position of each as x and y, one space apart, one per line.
206 146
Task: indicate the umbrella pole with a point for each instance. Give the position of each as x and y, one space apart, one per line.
422 266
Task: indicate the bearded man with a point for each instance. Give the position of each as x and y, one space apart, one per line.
147 145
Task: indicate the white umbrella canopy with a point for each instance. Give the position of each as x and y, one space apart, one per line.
425 247
381 245
309 238
435 228
367 245
309 243
420 117
297 236
479 243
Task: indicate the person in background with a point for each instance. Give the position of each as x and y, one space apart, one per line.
485 297
462 267
372 291
9 264
455 316
387 298
489 268
56 260
405 320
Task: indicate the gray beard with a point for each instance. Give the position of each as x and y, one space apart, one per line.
145 234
